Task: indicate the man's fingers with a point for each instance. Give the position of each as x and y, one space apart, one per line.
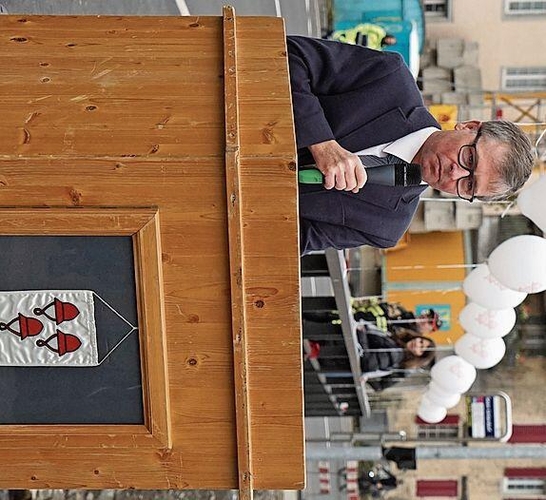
345 175
357 177
329 180
334 177
342 169
350 178
341 182
361 176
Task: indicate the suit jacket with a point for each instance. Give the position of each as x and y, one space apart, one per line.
361 98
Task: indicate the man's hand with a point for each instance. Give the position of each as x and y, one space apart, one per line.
341 168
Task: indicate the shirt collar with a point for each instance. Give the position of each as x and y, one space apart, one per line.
407 147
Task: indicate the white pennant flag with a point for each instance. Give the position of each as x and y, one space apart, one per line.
50 328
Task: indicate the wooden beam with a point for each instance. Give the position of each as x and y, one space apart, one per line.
235 231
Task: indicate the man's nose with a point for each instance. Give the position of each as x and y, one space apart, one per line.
457 172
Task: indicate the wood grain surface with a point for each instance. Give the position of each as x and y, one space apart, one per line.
127 114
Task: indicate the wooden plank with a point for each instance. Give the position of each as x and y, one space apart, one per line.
237 271
153 343
84 221
73 437
81 81
267 175
262 81
274 318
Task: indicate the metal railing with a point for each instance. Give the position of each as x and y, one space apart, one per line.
339 374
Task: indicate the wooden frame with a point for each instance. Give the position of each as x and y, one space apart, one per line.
143 225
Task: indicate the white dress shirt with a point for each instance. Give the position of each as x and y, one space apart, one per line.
404 148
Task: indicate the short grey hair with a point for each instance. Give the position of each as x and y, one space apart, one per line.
516 164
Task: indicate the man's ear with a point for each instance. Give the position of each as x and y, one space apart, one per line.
468 125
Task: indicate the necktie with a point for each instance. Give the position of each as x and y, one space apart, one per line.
371 161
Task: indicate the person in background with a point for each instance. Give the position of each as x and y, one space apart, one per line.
374 482
385 316
389 316
377 482
386 357
427 322
369 35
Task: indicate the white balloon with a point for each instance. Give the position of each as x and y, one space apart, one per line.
434 386
430 412
532 202
484 289
453 374
519 263
440 397
479 352
487 323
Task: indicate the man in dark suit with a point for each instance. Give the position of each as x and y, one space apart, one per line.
348 99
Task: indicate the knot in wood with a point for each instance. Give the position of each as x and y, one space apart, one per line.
76 196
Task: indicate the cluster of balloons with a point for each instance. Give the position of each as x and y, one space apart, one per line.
514 269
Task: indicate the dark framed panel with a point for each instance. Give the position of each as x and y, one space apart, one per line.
135 237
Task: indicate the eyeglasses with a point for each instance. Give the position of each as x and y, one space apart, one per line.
467 160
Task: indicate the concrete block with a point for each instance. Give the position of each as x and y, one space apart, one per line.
428 57
475 98
481 112
471 53
454 98
450 52
467 79
439 216
433 98
436 80
426 60
436 98
468 216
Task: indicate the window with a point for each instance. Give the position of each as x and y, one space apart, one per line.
523 485
447 429
524 78
438 432
436 9
514 8
524 481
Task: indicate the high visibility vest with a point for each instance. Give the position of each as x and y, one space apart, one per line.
373 33
378 313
